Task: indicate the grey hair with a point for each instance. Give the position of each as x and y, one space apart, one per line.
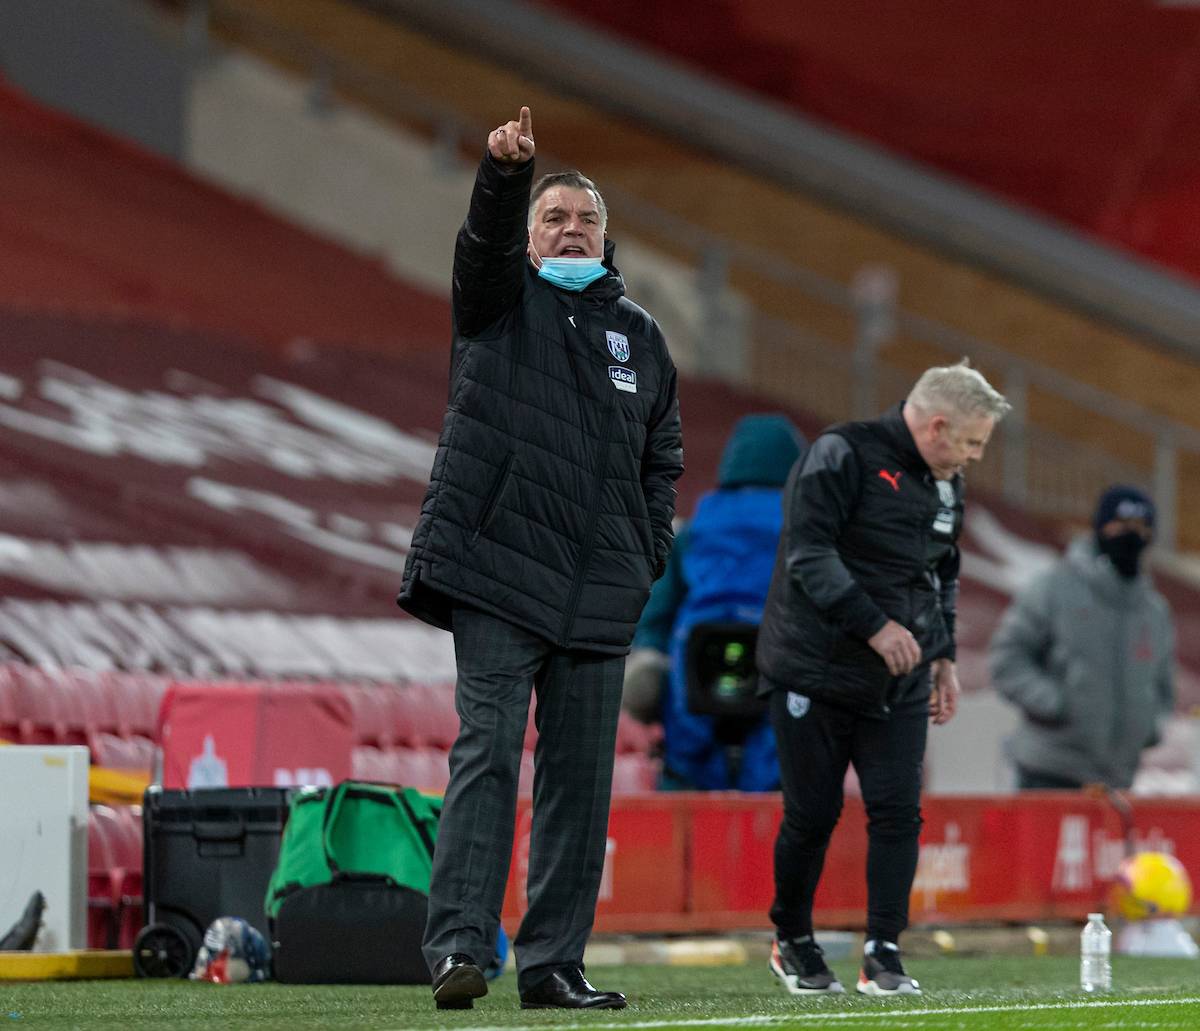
957 390
573 180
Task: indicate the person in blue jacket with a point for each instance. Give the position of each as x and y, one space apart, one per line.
719 572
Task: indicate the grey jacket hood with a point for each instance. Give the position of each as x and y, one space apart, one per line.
1087 657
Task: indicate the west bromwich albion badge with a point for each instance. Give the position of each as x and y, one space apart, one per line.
623 379
944 520
618 345
797 705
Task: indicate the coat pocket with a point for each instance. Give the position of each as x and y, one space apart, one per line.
493 497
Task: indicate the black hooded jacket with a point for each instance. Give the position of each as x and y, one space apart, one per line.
868 535
552 492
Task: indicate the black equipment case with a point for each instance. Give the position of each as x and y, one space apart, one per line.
207 853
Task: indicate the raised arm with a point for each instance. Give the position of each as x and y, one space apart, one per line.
489 258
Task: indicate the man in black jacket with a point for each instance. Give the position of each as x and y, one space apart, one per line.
857 632
548 518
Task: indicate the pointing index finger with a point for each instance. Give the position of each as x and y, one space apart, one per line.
526 128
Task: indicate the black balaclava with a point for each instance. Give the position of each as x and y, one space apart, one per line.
1125 549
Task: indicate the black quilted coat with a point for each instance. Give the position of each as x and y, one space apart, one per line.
552 492
868 535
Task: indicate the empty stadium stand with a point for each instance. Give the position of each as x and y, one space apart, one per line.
791 252
1030 101
97 227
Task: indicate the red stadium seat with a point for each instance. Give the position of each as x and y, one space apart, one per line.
370 763
372 715
149 690
434 715
43 715
437 770
411 767
101 917
92 702
128 848
71 703
427 769
119 753
10 706
114 875
129 858
143 750
124 702
404 716
133 700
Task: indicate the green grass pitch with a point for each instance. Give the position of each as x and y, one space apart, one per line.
961 994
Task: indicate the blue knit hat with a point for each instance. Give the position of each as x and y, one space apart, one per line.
761 452
1123 503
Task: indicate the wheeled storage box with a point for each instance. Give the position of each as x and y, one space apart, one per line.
208 853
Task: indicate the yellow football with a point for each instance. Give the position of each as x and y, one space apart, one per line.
1151 884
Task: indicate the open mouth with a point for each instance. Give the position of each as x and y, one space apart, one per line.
571 252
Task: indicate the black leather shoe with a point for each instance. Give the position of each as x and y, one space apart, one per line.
457 982
568 989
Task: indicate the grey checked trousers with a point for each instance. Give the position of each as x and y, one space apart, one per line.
578 704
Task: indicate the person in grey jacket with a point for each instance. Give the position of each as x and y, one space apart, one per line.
1085 652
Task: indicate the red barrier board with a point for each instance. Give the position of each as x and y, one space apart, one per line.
644 885
695 862
733 857
1034 856
240 736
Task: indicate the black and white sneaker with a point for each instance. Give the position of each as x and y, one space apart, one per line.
800 965
883 973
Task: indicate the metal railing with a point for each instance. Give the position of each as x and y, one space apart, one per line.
1029 465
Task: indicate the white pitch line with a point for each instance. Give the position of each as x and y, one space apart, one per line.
764 1020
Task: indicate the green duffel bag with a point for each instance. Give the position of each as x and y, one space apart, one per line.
349 898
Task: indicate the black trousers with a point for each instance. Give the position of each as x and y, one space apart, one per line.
816 742
578 704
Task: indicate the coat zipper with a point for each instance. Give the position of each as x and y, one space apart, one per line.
589 533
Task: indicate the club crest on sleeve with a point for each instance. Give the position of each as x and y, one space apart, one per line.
618 345
797 704
623 379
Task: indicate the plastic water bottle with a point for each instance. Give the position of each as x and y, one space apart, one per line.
1095 950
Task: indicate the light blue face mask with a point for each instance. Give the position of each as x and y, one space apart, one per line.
571 273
